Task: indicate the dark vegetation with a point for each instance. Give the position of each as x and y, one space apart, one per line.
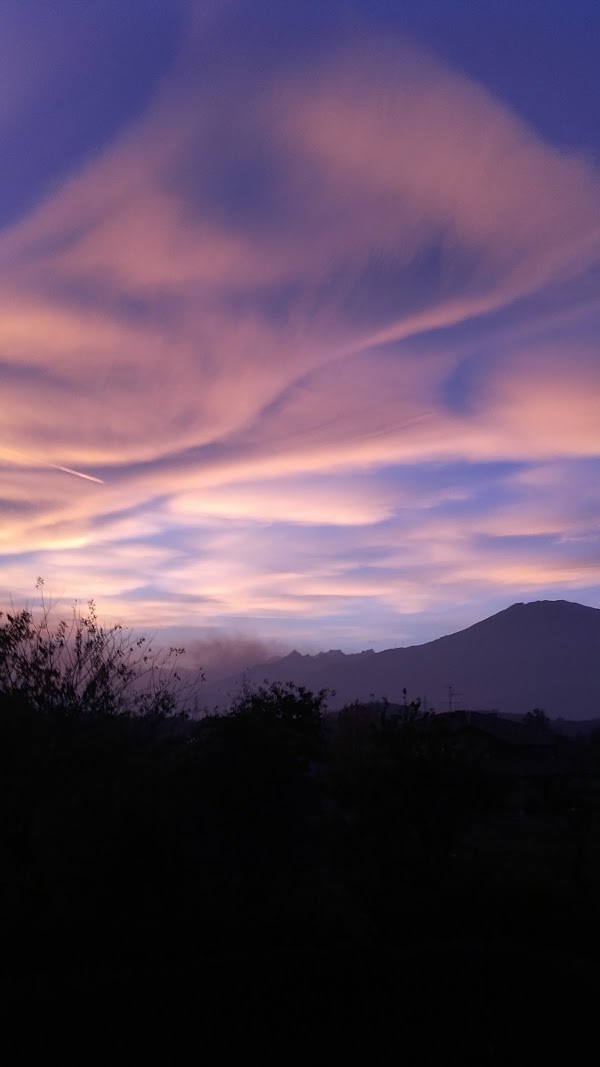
374 870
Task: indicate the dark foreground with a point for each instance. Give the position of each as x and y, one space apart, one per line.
278 876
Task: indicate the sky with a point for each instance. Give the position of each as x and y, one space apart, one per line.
300 314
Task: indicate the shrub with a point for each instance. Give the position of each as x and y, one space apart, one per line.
78 665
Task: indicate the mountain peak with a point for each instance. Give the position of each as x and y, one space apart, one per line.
542 654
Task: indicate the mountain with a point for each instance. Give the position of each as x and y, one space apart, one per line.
544 654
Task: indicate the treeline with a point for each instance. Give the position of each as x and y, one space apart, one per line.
366 850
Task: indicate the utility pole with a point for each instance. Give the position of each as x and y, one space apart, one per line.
452 695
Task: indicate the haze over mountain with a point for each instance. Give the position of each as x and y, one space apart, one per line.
542 654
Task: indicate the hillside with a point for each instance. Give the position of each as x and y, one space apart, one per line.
542 654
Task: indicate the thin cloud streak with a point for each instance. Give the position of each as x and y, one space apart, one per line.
78 474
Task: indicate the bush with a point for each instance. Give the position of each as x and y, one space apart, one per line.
80 666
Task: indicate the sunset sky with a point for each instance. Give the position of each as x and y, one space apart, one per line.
300 312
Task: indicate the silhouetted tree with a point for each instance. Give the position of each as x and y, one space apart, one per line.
538 717
79 665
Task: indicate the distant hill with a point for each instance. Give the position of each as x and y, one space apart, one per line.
544 654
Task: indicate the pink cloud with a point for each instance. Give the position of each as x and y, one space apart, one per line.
400 149
140 322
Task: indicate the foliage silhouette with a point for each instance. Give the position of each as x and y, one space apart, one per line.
367 846
78 665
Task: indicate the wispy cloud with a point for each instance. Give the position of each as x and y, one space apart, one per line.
270 305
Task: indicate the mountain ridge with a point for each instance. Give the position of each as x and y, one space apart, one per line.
543 653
